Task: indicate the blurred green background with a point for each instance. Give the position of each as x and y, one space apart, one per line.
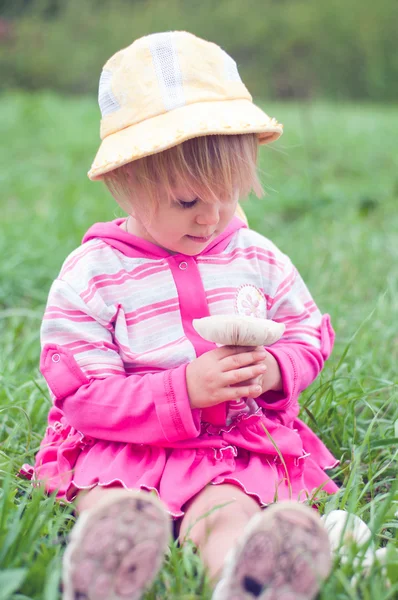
340 49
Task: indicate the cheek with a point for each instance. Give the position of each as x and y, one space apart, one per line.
183 219
174 225
229 212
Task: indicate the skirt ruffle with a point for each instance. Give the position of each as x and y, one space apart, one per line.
267 460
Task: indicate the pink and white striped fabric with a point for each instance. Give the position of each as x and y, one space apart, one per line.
116 338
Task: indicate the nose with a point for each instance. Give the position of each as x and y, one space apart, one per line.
209 214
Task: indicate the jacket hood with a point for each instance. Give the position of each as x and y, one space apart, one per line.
130 245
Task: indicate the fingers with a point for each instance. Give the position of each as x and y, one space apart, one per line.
226 373
252 381
243 375
242 391
243 359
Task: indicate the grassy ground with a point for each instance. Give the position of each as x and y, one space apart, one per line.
332 183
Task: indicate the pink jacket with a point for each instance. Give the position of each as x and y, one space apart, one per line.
117 332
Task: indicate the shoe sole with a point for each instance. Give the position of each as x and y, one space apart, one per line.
283 555
116 548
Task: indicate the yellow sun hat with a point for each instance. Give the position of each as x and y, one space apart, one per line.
169 87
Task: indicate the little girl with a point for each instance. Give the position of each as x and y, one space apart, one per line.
141 403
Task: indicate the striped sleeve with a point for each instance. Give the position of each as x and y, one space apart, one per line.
86 377
70 322
306 344
293 305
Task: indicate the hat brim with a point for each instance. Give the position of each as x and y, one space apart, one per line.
227 117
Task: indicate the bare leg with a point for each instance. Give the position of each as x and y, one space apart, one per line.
217 533
90 498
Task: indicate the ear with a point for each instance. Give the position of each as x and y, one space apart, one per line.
234 330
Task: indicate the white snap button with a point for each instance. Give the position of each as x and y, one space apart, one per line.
55 358
183 265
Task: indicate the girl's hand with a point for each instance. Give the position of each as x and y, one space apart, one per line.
271 380
224 374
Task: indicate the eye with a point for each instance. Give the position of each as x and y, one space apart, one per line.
189 204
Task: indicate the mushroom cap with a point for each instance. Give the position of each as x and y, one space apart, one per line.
235 330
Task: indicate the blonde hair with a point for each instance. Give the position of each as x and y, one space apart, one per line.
209 167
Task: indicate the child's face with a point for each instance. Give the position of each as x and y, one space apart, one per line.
185 226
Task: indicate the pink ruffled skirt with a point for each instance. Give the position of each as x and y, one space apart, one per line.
266 459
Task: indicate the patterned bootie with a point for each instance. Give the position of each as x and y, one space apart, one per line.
116 548
284 554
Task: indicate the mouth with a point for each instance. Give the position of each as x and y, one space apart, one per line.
200 240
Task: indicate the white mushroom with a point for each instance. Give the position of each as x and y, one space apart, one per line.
235 330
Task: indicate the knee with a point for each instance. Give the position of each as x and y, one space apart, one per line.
226 509
228 515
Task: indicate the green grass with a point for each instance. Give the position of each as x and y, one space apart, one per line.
332 183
